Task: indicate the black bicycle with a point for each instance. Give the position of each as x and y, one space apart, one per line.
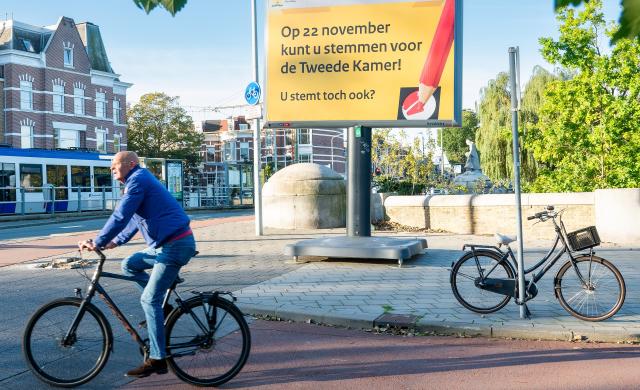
587 286
68 341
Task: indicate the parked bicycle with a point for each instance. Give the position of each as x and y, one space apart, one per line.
68 341
587 286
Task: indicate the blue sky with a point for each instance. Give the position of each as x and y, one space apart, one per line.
203 54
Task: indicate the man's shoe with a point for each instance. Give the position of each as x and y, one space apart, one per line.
149 367
167 309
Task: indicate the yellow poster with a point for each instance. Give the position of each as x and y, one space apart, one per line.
368 62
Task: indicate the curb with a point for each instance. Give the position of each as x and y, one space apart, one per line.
524 330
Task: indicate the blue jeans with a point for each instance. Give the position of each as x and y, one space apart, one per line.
165 263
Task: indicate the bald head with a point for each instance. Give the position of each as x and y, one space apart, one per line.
122 164
127 157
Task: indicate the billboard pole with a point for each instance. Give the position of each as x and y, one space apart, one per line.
516 172
359 182
257 186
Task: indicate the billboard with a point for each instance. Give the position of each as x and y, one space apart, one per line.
378 63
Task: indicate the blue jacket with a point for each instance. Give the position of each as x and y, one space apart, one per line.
146 206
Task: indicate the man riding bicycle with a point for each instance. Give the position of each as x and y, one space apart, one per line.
149 208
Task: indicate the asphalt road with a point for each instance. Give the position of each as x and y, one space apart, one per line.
306 356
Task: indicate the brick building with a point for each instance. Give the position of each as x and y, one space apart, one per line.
59 88
227 156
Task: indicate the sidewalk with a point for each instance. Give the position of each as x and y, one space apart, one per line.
365 294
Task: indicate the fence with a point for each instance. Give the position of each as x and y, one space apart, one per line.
52 200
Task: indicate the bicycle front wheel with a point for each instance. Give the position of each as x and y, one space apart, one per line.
467 273
600 293
81 358
208 344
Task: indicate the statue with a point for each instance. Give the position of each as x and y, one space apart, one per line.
473 160
472 178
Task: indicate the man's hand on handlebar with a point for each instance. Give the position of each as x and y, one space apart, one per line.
91 246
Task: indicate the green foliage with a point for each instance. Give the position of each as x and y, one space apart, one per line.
629 22
494 135
454 138
173 6
406 168
267 172
159 127
588 135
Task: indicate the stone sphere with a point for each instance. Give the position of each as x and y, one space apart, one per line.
304 196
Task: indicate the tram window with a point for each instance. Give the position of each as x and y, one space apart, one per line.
7 182
80 177
102 178
57 177
31 177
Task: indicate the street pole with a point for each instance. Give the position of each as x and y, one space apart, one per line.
257 187
516 171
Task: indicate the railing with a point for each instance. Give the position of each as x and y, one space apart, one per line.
196 197
53 200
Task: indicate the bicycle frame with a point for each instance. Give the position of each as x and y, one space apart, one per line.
546 262
95 287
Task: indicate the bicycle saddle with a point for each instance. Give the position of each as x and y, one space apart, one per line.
504 239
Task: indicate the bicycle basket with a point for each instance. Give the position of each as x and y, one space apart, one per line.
583 238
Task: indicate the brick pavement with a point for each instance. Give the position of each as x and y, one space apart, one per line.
357 293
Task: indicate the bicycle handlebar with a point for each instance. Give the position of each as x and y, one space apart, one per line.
99 253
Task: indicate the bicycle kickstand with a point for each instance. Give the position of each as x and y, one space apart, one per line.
527 313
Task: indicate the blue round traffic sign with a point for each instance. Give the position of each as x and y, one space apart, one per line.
252 93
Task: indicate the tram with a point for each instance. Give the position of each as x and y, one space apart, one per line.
46 181
51 181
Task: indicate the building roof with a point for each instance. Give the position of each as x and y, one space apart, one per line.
90 35
16 35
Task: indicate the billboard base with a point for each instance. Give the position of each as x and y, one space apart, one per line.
380 248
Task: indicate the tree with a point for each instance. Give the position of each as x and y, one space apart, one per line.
173 6
588 135
493 136
454 138
629 18
159 127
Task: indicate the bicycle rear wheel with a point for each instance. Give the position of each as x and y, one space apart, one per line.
208 344
66 365
466 273
599 298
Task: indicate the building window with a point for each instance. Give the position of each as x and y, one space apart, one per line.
102 178
57 177
78 101
101 105
244 151
68 57
304 137
31 177
80 177
66 139
304 158
26 137
116 143
116 112
58 98
229 151
28 46
101 141
26 95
